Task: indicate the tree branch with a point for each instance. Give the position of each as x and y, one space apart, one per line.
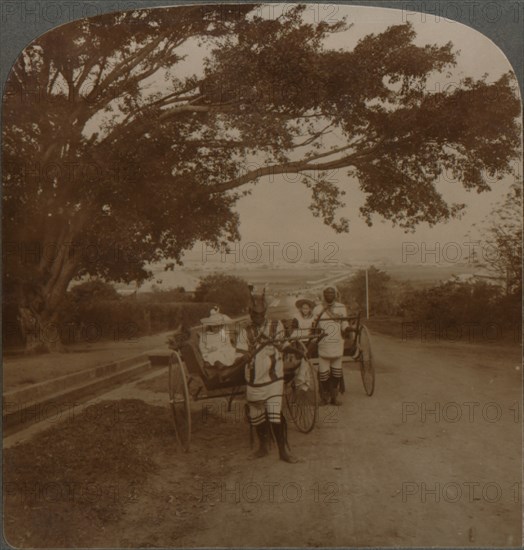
298 166
88 67
313 137
132 62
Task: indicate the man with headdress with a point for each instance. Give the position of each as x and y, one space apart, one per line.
329 316
264 375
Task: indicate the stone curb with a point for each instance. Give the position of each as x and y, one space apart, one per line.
32 405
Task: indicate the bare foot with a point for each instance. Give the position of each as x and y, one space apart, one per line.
289 458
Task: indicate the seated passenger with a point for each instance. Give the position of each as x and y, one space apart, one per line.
303 321
214 342
301 327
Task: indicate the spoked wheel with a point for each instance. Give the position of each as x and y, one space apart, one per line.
302 400
179 400
367 370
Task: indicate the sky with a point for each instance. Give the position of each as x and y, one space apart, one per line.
278 211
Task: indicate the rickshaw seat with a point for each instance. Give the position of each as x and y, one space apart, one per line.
196 365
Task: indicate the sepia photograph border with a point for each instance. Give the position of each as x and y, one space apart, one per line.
501 21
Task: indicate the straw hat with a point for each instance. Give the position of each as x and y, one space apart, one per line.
301 301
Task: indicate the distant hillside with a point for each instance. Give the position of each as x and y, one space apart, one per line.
427 275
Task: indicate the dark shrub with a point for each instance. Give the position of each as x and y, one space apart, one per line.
127 320
230 293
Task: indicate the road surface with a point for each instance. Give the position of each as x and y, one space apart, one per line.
433 458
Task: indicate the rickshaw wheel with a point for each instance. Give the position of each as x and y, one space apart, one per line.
179 401
303 405
367 371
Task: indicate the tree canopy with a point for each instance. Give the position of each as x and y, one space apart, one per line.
113 157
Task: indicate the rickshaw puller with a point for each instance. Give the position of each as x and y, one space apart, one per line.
264 375
328 316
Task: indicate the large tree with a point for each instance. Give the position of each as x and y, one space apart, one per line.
115 157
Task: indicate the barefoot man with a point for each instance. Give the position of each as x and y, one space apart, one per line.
329 316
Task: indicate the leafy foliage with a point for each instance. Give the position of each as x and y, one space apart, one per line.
124 321
229 292
461 303
114 159
501 235
165 296
94 291
353 293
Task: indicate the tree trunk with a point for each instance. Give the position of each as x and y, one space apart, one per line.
45 333
39 309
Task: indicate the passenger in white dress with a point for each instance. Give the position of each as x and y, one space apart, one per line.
214 342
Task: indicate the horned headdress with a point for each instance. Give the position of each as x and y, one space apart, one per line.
257 302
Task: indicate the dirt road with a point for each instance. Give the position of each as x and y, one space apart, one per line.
362 482
433 458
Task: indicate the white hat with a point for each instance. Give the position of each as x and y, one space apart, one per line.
216 318
301 301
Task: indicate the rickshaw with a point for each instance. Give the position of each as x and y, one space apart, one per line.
190 379
363 353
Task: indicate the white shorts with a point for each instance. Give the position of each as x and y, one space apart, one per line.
272 406
330 365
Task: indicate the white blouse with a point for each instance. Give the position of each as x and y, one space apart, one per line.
332 345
